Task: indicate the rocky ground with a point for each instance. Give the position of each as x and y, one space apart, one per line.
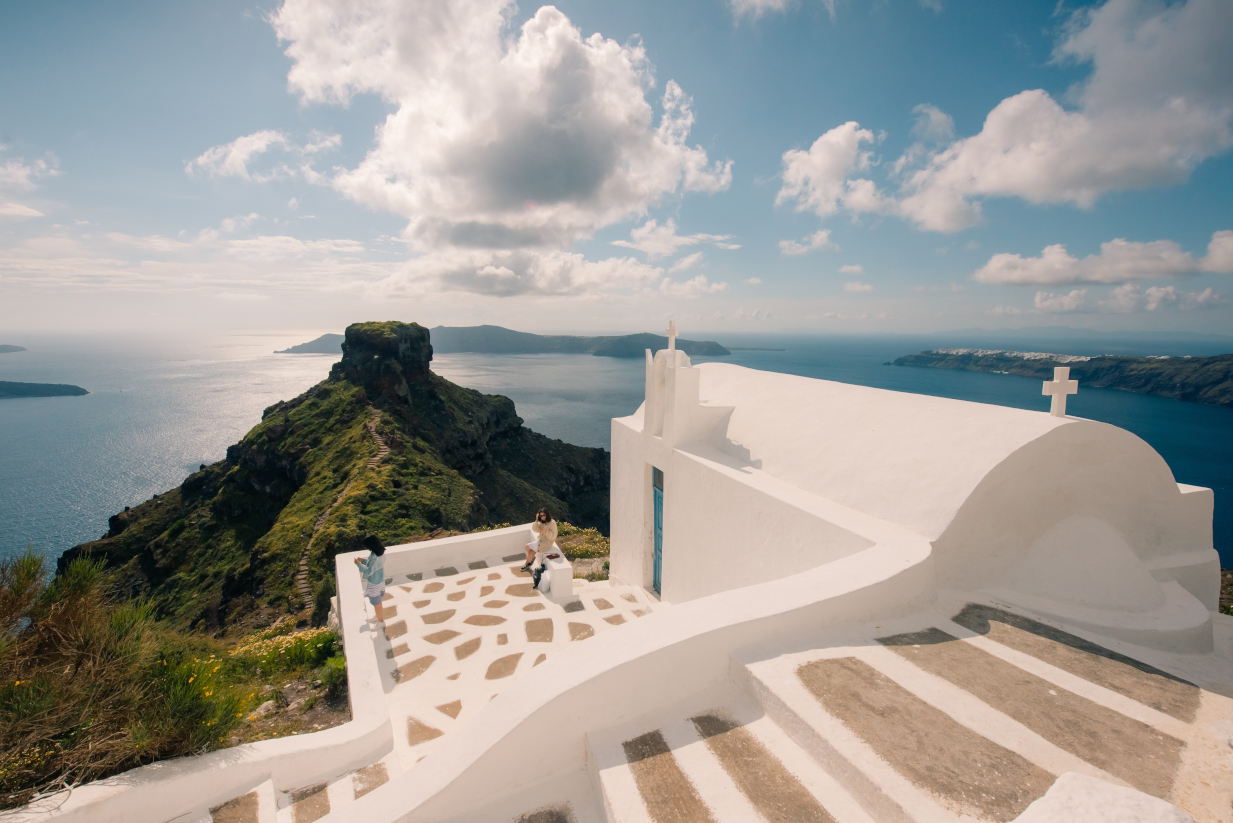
294 707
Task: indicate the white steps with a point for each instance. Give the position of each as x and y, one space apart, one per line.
894 732
728 764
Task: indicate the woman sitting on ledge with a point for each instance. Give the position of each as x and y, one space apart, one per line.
545 530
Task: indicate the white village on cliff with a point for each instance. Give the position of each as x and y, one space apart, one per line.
827 603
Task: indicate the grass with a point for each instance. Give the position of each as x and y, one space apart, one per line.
94 685
579 543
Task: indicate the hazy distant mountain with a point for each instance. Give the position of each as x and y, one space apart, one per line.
498 340
10 349
1196 379
325 344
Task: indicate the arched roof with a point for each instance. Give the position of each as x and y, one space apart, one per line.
907 458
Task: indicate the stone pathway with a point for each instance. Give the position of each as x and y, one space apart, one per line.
453 637
301 578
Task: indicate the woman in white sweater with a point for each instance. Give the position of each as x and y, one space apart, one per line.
545 530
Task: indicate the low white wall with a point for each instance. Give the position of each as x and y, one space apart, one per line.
536 728
171 788
455 552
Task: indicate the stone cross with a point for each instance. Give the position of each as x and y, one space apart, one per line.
672 333
1060 386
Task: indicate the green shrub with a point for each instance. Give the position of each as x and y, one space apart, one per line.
93 686
333 674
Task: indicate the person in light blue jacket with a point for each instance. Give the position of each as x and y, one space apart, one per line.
372 569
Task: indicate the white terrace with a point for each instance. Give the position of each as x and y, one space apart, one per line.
830 603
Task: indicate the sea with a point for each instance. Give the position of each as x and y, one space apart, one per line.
160 408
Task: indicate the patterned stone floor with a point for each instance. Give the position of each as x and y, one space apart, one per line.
455 637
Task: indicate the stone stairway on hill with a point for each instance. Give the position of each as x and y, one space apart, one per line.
969 718
302 586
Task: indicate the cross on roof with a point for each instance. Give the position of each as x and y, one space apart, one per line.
672 333
1059 387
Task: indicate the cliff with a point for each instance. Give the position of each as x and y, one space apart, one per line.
1195 379
232 535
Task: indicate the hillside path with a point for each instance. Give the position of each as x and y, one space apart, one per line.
301 578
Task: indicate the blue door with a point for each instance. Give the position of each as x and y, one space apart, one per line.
657 482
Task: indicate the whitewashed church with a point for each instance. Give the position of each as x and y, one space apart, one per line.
827 603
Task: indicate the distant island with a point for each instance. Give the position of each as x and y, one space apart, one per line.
5 349
10 390
498 340
325 344
1195 379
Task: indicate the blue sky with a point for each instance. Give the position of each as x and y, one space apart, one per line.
753 165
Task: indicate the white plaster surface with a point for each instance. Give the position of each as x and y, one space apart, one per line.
1077 798
803 519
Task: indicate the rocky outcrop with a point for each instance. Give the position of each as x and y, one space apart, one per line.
387 357
238 531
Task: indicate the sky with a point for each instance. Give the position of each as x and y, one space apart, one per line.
829 166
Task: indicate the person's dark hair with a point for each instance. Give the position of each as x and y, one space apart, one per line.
543 511
374 545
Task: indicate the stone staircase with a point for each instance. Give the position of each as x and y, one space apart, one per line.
973 717
302 586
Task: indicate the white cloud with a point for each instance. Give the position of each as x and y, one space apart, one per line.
234 159
661 241
839 315
1158 101
932 124
857 286
18 210
507 273
1125 299
17 175
687 262
753 281
499 139
696 287
854 269
1119 261
754 314
239 222
818 240
818 180
1061 303
756 8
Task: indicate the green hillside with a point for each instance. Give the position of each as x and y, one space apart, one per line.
231 537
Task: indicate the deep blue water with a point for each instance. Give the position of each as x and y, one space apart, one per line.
159 409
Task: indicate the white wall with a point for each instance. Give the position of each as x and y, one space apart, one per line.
536 728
